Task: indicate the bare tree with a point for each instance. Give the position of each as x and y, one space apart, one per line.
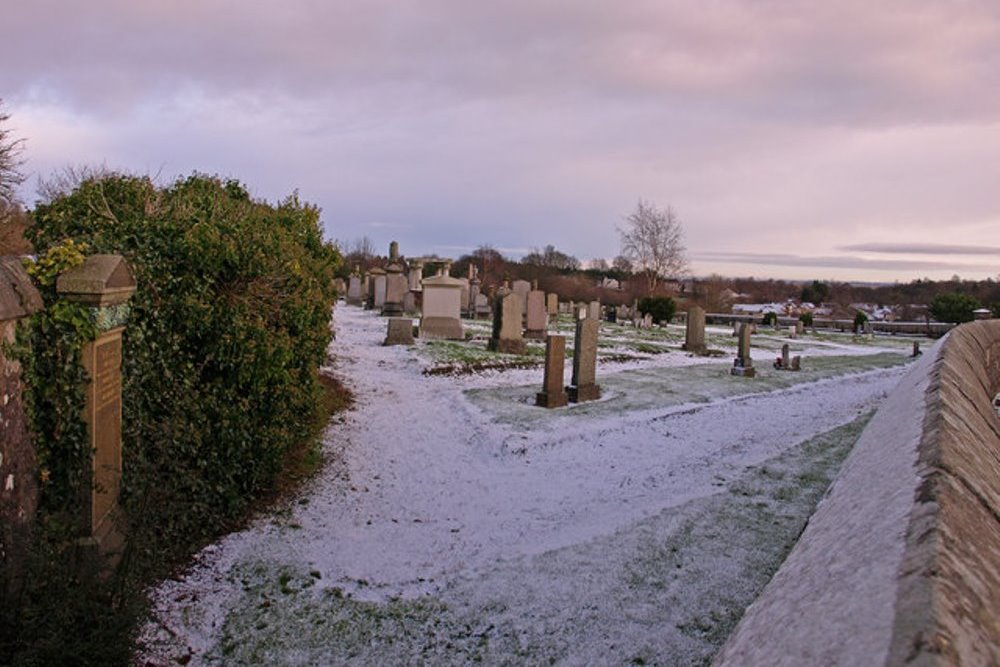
651 239
10 167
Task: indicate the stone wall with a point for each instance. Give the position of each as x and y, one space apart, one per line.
18 473
900 563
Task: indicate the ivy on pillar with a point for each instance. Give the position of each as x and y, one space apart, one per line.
104 284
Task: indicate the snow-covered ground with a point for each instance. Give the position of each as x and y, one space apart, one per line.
456 523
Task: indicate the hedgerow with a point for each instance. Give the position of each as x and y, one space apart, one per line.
227 328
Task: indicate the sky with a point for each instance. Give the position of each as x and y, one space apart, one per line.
848 140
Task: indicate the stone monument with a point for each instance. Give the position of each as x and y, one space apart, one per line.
694 337
507 324
354 288
584 387
396 288
538 318
378 277
442 309
552 394
743 365
104 283
399 331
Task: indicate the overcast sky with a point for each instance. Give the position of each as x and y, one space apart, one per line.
846 140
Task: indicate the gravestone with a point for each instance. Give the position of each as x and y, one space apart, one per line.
104 283
793 332
410 306
796 363
594 310
736 327
442 309
916 349
537 317
483 306
552 306
584 387
474 288
647 321
552 394
378 288
694 336
399 331
394 251
396 287
463 301
800 327
354 289
743 365
521 289
507 324
414 275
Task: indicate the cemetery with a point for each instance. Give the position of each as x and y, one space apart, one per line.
484 474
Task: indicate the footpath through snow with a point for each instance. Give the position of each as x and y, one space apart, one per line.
444 531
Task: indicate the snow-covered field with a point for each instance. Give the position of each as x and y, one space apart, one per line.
455 522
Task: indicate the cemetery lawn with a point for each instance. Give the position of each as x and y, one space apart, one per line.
457 523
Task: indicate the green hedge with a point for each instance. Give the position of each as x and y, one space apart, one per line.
228 325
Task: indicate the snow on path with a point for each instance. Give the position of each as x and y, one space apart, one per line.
425 488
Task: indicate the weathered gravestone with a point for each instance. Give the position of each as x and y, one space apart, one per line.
442 308
378 288
736 327
521 289
783 363
916 349
793 332
483 306
584 387
552 306
399 331
507 325
694 336
396 287
647 321
463 300
743 365
354 289
105 284
800 327
594 310
537 319
552 394
414 274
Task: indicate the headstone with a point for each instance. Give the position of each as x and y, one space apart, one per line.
507 325
442 307
410 303
584 387
521 288
782 363
552 394
474 288
647 321
354 289
793 332
482 306
743 365
594 310
916 348
796 363
414 275
537 317
463 302
736 327
694 336
393 251
378 288
399 331
552 306
800 327
105 284
396 287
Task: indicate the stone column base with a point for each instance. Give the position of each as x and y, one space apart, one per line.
546 399
507 346
587 392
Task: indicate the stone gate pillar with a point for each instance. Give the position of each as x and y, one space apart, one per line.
104 283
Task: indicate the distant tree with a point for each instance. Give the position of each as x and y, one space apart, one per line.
10 167
622 264
599 264
491 264
860 320
817 292
13 224
551 258
806 319
358 253
662 308
714 295
953 307
652 240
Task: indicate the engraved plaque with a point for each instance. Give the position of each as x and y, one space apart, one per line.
106 423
